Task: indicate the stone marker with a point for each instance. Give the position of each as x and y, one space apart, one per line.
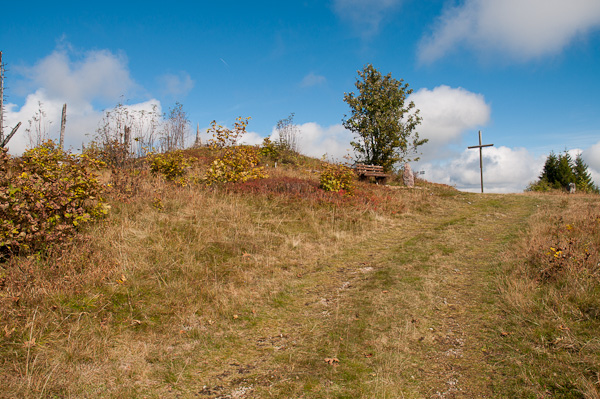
408 176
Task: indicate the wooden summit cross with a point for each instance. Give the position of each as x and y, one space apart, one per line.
480 146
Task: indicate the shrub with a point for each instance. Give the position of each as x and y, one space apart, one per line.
113 152
337 177
269 149
171 165
45 197
541 185
234 163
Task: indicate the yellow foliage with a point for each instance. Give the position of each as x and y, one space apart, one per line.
235 163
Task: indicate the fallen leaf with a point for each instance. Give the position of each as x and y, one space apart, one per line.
235 316
7 332
385 291
333 361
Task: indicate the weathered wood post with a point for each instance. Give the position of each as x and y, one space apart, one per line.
197 142
63 122
1 99
12 133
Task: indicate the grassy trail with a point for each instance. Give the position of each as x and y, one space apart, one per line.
409 308
410 313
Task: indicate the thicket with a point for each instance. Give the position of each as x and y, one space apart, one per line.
337 177
284 149
46 195
560 171
170 165
234 162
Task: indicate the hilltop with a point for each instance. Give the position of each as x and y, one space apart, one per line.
273 287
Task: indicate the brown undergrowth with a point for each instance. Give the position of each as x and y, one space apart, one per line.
146 299
552 299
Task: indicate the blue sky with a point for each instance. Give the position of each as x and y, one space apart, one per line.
525 72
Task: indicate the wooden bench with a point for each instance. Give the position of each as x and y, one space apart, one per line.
367 171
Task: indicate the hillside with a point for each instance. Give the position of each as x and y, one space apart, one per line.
276 288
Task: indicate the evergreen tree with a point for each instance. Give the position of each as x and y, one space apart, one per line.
561 170
564 170
583 179
550 173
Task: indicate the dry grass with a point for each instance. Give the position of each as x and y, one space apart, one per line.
552 300
242 291
164 288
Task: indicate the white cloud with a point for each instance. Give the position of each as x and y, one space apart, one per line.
252 138
591 157
316 141
312 80
447 114
365 15
176 85
505 170
99 74
58 79
521 29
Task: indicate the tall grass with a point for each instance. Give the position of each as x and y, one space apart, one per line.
138 303
552 297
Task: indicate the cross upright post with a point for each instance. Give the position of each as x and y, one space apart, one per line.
480 146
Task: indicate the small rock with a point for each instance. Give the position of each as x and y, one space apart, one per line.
408 176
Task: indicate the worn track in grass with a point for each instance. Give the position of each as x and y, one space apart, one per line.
409 313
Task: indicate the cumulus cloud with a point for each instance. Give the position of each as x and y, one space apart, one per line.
251 138
99 74
176 85
591 157
365 15
312 80
447 114
97 77
521 29
505 170
317 141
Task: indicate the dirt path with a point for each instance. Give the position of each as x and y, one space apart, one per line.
410 314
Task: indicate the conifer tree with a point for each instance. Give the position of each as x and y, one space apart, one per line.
564 170
559 171
583 179
550 172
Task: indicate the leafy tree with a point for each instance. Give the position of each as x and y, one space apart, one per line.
381 119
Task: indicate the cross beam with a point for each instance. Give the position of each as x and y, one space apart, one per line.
480 146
